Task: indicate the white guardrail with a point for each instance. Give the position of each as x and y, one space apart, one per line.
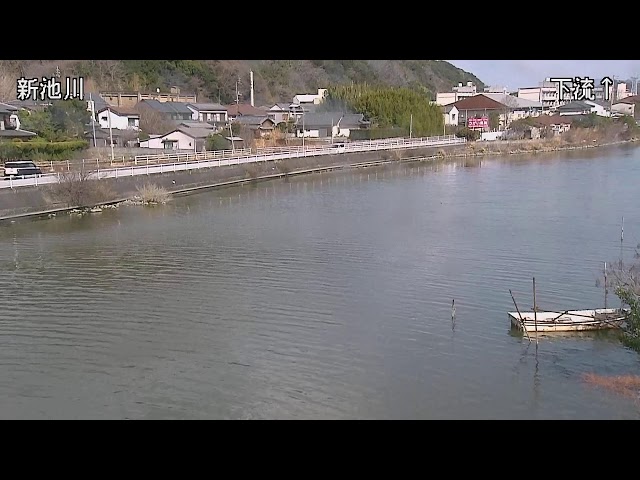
194 161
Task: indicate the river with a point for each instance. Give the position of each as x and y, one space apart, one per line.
325 296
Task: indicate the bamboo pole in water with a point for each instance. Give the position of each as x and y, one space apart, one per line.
524 327
535 309
605 284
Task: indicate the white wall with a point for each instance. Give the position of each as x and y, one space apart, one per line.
624 108
446 98
452 117
152 143
490 136
117 122
184 141
15 120
308 134
531 94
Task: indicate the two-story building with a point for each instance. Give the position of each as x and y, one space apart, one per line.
119 118
482 106
208 112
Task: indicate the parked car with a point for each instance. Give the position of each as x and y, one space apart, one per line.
20 168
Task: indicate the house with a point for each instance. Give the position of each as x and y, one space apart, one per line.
518 107
239 109
154 141
329 124
456 93
260 125
14 120
29 105
103 137
95 103
196 124
628 106
182 138
119 118
312 99
10 124
554 123
599 108
481 106
130 99
208 112
282 112
575 108
450 114
170 110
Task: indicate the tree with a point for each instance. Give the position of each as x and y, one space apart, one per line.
494 120
218 142
69 117
153 122
625 281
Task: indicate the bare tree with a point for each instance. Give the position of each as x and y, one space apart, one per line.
79 188
153 122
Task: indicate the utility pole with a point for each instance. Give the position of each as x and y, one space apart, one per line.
110 133
93 120
411 127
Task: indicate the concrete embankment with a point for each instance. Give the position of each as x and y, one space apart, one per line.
28 201
25 202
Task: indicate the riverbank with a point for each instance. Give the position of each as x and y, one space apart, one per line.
28 202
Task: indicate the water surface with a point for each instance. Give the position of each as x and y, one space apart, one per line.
324 296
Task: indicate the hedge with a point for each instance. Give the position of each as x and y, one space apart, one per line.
40 150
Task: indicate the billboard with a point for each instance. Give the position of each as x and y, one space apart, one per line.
478 122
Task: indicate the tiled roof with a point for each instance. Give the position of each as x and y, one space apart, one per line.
479 102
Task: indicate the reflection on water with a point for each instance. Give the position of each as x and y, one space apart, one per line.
324 296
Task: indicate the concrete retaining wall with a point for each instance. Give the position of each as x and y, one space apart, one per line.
25 200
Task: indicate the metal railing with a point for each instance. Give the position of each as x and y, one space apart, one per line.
219 159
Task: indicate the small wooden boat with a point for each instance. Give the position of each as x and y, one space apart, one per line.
569 320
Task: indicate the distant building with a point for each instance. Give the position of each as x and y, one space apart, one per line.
547 93
457 93
450 114
236 110
329 124
314 99
10 124
130 99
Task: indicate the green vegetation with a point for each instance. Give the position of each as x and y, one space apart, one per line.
275 80
631 335
390 107
469 134
60 130
218 142
624 279
39 149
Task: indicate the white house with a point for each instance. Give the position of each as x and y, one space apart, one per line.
314 99
120 118
155 141
329 124
450 114
182 138
598 109
208 112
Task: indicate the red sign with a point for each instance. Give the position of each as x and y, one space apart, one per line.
481 122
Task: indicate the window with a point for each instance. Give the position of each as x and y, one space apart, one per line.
103 119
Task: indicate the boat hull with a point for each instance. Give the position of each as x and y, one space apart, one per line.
570 321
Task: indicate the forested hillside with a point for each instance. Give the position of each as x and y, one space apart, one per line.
215 80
